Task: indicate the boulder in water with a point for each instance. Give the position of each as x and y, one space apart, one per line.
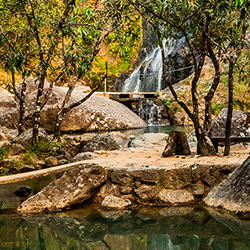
74 187
233 194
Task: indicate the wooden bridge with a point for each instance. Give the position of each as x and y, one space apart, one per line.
130 96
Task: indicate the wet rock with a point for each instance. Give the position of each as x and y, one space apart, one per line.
114 202
106 190
233 193
51 161
74 187
101 142
175 197
25 138
23 191
85 156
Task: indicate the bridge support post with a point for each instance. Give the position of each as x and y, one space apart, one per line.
159 83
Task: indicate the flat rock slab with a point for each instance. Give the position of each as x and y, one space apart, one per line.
233 193
176 197
74 187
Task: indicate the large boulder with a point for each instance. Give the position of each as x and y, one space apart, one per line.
97 113
240 124
149 140
25 138
101 142
233 193
74 187
8 109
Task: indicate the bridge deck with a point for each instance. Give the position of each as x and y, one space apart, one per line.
129 95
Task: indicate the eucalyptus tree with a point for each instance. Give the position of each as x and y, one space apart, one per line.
172 19
202 23
232 42
50 40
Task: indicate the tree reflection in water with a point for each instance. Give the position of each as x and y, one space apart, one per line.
154 228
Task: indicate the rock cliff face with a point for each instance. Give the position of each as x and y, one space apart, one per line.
96 114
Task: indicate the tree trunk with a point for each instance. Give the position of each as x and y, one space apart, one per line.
210 94
37 114
63 111
230 109
177 144
22 107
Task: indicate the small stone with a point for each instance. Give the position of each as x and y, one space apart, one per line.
51 161
63 161
198 190
38 164
2 137
77 138
114 202
85 156
26 168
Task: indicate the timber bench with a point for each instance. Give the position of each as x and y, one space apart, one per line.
217 140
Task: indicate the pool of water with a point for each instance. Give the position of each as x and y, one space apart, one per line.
142 229
159 129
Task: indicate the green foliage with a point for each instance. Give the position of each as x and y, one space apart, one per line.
217 107
3 153
43 149
167 102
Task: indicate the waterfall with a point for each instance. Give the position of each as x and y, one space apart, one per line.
149 112
146 76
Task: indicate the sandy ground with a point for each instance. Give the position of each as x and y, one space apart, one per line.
151 156
141 157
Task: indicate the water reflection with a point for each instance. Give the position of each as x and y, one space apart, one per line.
156 229
159 129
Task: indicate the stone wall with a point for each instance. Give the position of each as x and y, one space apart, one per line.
121 188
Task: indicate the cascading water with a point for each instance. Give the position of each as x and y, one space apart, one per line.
147 76
149 112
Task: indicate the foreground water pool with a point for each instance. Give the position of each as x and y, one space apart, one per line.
181 228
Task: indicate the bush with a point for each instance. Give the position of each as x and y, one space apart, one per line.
3 153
